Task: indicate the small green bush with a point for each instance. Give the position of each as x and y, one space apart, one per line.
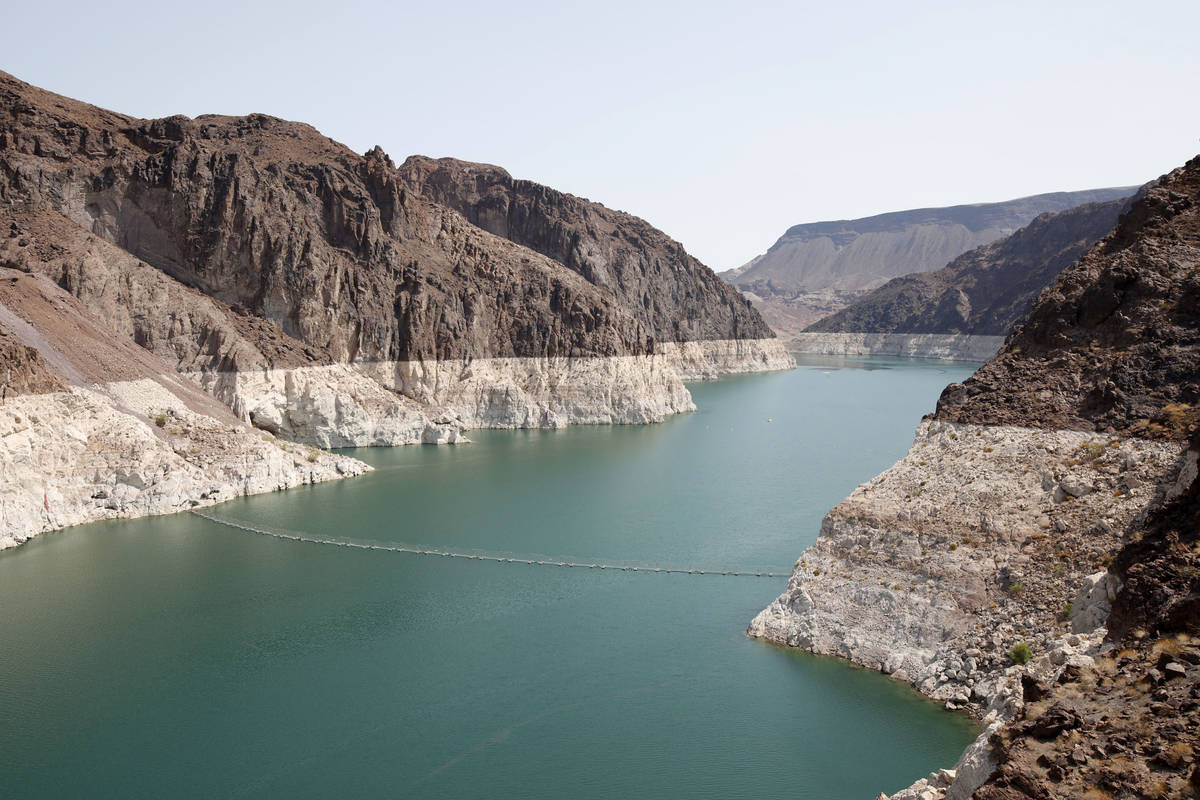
1020 653
160 420
1016 588
312 458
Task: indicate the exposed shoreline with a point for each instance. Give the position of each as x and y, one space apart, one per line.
934 569
941 346
145 447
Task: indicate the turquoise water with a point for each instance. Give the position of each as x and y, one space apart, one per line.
173 657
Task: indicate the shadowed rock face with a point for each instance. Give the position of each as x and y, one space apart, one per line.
23 371
273 220
1160 571
1112 345
987 291
675 295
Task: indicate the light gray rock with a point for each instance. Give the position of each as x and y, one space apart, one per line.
946 347
84 455
1093 601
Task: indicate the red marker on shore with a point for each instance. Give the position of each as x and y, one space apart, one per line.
46 500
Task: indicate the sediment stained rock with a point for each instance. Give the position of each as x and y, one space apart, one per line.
978 539
946 347
132 449
231 245
709 359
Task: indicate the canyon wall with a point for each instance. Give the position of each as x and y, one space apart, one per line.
997 531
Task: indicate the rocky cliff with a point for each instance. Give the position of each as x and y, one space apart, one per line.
988 545
817 268
328 297
985 292
641 268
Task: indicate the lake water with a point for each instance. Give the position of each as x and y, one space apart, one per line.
174 657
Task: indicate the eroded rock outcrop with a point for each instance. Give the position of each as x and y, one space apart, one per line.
1128 724
649 273
980 538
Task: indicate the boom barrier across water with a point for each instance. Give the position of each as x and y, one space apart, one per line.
368 544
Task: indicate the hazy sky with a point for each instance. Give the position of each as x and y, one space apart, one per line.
721 123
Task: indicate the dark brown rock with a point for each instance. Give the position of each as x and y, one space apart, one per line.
1112 346
1053 723
22 369
676 296
333 250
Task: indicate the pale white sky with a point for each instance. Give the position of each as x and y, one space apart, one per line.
721 123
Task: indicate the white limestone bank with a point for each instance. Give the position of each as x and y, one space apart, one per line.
332 405
708 360
978 539
550 392
943 346
407 402
85 455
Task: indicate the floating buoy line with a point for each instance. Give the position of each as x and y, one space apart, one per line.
364 544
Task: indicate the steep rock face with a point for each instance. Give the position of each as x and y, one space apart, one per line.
1159 569
130 449
270 216
985 292
1045 464
977 540
237 245
677 297
1112 346
1129 724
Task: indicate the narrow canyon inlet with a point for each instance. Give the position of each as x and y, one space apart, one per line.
174 656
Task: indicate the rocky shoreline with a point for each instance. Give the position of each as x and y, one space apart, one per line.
136 448
297 294
945 347
1051 495
132 449
980 538
387 403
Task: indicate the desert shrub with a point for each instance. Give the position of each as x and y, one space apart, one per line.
160 419
1020 653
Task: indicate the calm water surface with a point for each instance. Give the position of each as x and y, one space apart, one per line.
172 657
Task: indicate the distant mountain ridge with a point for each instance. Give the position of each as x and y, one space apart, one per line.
987 291
860 254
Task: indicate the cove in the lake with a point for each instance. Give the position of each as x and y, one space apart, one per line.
175 657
